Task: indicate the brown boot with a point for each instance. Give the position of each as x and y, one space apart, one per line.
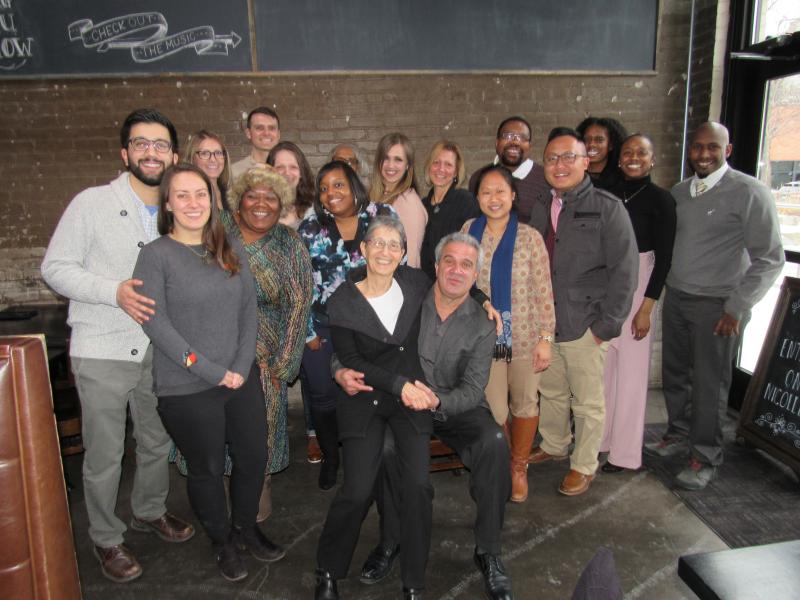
535 428
265 502
522 432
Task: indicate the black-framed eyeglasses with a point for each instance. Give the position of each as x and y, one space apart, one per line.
207 154
568 158
141 144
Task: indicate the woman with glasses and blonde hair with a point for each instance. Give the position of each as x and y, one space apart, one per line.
448 205
205 150
394 183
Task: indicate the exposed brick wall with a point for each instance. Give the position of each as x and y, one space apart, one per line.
61 135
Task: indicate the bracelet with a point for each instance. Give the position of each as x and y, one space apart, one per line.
546 338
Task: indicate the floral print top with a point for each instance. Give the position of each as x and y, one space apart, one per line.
331 260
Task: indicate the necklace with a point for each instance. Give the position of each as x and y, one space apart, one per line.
626 198
195 252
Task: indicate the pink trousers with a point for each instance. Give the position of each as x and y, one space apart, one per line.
627 371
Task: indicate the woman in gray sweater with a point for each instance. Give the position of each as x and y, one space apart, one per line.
204 372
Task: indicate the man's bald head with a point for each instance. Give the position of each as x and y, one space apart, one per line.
709 148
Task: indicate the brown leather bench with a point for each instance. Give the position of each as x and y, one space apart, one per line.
37 555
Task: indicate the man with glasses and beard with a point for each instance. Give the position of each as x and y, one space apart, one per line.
90 260
594 265
513 146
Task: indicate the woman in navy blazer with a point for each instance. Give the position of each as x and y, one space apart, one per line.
374 318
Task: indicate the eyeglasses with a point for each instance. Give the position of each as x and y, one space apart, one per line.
353 162
380 244
141 144
207 154
510 136
568 158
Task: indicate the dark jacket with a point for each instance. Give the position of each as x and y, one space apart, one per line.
595 262
388 361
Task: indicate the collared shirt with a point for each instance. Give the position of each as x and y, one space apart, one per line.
709 180
522 171
149 221
555 209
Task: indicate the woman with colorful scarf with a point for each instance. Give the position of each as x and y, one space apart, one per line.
516 270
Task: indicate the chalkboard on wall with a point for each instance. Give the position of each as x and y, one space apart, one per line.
53 37
453 35
770 415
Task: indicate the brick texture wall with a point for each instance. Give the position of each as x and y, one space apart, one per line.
61 135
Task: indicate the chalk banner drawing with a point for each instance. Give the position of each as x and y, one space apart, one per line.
15 47
145 35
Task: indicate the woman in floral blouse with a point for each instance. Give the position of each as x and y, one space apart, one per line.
333 236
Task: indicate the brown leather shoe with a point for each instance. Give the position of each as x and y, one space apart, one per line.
539 456
313 451
118 563
575 483
168 527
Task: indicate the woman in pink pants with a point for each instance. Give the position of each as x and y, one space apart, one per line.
652 213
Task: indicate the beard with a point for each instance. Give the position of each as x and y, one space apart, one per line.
508 161
152 181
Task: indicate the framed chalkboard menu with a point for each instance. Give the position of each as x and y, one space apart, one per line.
770 415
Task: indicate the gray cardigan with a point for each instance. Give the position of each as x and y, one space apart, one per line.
94 248
200 310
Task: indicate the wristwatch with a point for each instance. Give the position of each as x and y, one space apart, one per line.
547 338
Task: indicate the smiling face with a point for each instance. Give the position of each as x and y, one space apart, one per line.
495 197
286 165
636 157
263 132
598 146
259 210
347 155
213 165
394 166
457 270
383 251
444 168
559 173
189 202
336 195
513 145
709 149
148 165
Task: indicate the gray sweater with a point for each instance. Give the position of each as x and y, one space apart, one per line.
200 309
727 243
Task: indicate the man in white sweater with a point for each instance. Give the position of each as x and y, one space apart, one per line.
90 260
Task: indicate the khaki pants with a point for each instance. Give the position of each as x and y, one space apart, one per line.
574 381
518 378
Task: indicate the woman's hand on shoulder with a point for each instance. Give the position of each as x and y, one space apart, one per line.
493 315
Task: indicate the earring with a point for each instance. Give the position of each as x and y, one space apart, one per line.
455 180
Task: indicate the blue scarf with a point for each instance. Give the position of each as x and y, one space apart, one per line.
500 283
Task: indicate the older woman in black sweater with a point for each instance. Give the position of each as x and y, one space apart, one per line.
374 319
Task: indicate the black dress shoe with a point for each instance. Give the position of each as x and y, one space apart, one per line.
260 547
378 564
327 474
611 468
230 563
326 586
413 593
496 583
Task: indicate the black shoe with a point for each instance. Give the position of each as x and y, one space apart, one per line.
254 541
230 563
326 586
496 583
327 473
611 468
413 593
378 564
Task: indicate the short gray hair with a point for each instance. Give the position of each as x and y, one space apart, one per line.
461 238
363 164
388 221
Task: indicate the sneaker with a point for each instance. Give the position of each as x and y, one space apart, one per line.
696 476
254 541
667 447
230 563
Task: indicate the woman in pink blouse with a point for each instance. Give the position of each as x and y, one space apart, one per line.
394 182
516 270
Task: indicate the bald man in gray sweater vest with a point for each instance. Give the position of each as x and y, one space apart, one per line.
727 254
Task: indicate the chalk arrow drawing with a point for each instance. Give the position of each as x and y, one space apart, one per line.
145 35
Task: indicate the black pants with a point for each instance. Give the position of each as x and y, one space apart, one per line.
200 424
320 388
362 459
483 449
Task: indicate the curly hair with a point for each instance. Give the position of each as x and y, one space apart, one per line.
616 135
262 176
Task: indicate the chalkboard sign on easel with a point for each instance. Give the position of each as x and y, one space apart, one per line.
770 416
